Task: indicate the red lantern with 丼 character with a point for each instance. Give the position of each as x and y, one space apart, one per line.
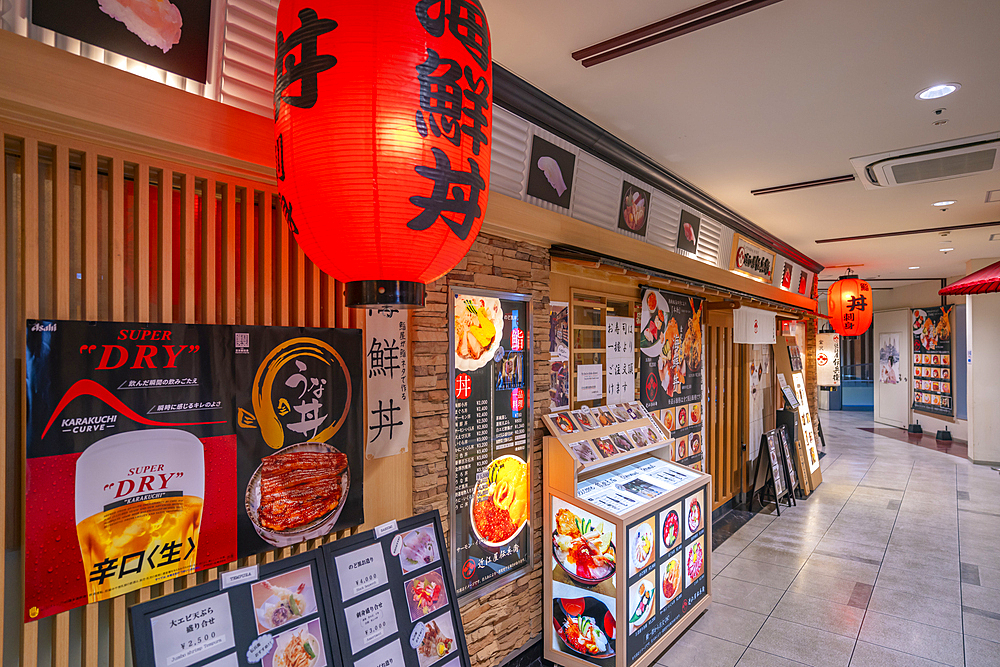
383 117
850 305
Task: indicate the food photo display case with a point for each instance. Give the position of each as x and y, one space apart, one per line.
627 538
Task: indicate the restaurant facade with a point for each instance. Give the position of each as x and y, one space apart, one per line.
132 202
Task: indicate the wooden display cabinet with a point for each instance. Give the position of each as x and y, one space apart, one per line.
581 495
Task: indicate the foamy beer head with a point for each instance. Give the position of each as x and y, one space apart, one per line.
139 498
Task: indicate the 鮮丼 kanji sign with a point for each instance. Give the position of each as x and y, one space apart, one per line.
387 365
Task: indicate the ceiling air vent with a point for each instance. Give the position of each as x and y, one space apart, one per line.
934 162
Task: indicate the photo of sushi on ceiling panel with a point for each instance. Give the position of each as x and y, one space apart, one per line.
633 209
550 173
687 232
169 34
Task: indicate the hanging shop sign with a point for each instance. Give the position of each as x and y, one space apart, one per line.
620 360
383 598
413 80
753 326
558 354
751 260
888 358
932 370
491 430
387 366
155 451
828 359
670 368
850 306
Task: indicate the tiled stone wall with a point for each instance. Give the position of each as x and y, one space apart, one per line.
508 618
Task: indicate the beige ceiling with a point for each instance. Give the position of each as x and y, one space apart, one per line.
788 93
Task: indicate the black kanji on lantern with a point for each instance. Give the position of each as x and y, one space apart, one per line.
449 181
287 70
466 20
477 93
441 95
857 303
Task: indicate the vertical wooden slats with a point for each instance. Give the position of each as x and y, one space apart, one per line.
229 254
140 235
251 272
164 245
6 315
30 289
186 251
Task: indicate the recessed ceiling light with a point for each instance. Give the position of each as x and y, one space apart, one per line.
945 249
946 202
937 91
914 267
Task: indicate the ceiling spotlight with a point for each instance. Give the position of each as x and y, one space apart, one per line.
914 267
945 249
937 91
946 202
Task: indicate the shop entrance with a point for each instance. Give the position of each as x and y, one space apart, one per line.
892 394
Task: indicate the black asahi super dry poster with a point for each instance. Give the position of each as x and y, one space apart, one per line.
491 427
157 450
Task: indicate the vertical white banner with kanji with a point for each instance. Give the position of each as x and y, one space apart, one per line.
387 369
620 359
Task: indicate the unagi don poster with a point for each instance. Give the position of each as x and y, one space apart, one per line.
158 450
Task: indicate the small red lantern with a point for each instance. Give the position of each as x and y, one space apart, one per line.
850 305
383 120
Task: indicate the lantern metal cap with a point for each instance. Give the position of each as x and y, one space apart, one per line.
399 293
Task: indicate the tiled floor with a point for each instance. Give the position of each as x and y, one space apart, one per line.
894 560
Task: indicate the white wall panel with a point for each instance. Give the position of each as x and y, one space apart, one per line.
596 191
509 153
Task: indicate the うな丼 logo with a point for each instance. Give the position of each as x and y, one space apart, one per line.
302 392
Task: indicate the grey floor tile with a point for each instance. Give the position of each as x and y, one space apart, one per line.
806 645
831 546
821 614
872 655
921 565
719 562
755 658
824 587
989 577
937 588
981 653
754 571
915 608
987 599
980 624
694 648
911 637
769 554
730 623
733 546
745 595
841 567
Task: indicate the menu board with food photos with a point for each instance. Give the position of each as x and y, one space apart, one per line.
491 429
932 372
671 367
593 435
667 572
382 598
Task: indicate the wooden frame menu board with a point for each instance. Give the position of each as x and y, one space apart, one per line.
382 598
626 548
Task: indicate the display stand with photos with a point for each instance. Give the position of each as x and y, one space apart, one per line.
382 598
772 473
627 539
788 358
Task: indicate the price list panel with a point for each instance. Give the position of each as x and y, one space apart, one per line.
490 420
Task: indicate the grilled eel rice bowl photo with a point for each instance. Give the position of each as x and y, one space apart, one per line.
298 493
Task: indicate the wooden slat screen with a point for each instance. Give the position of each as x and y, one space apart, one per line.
726 375
95 232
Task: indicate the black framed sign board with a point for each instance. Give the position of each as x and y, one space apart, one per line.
382 598
491 425
786 448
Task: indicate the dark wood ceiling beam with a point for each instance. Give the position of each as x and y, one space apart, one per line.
910 232
709 17
847 178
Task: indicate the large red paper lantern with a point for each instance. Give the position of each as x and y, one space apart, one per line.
383 117
850 305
